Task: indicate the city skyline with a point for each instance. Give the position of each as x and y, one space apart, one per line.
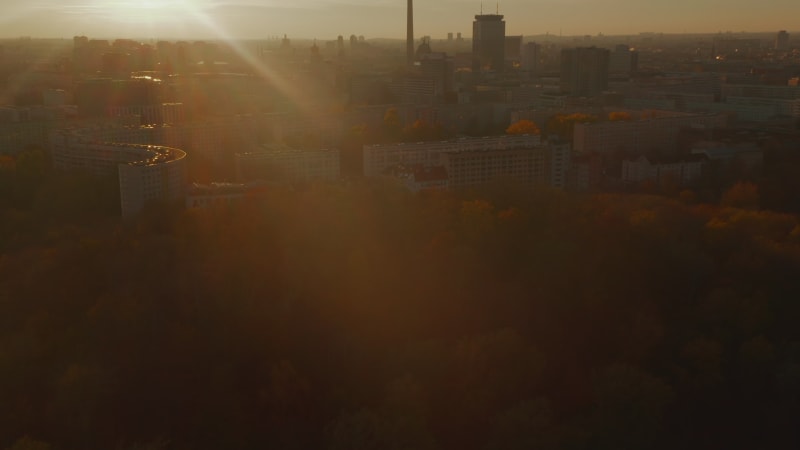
325 19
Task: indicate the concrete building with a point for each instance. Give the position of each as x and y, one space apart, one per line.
415 89
543 164
747 154
420 178
531 56
145 172
787 92
471 167
622 62
679 171
584 71
164 113
488 43
513 51
379 157
648 131
474 161
96 97
782 41
22 127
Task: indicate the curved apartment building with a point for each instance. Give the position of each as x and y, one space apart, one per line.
145 172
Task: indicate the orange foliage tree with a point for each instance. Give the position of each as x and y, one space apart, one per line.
563 124
619 115
523 126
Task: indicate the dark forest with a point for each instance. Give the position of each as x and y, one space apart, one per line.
361 316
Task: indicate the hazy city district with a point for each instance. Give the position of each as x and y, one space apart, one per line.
471 240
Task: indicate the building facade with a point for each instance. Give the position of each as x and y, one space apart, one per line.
681 171
488 42
584 71
145 172
656 130
379 157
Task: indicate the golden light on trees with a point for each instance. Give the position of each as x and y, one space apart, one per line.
619 115
523 126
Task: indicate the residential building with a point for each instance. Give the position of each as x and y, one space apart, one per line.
379 157
145 172
679 171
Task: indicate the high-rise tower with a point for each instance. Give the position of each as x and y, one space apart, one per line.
488 42
584 71
410 34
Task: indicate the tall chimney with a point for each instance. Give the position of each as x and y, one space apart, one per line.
410 34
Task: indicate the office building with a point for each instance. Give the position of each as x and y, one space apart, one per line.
622 62
488 43
513 50
584 71
531 55
782 41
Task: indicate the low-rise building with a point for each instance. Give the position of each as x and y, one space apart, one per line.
214 194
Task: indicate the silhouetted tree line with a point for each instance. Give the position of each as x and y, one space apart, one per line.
366 317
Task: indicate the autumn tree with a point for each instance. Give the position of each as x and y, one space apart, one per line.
392 125
421 130
619 116
564 124
741 195
523 126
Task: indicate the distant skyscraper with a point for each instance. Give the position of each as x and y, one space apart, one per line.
782 41
513 48
622 62
584 71
488 42
410 33
531 52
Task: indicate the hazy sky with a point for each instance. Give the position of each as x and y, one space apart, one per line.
325 19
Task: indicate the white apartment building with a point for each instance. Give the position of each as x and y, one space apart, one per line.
467 168
165 113
145 172
379 157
